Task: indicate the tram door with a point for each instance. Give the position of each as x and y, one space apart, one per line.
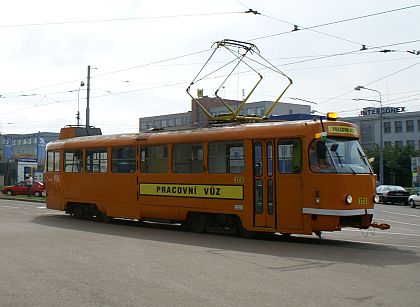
264 185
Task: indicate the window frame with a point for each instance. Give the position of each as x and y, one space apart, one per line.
124 164
387 127
76 163
295 168
95 164
50 161
160 164
196 152
398 126
409 125
213 161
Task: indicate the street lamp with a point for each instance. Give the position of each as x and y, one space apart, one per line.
381 154
78 98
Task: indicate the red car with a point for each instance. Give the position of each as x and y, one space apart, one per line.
20 188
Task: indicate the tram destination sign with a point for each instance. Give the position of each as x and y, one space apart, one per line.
383 110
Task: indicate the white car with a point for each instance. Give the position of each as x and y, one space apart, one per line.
414 200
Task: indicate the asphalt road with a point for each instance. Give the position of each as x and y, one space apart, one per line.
50 259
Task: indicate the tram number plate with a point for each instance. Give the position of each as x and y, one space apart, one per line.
363 201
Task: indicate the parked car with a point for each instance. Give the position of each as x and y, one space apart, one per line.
20 188
414 200
393 194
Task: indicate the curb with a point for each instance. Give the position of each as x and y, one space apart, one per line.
31 200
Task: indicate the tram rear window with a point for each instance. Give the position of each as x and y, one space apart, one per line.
154 159
123 160
96 160
226 157
50 161
56 161
187 158
53 161
73 161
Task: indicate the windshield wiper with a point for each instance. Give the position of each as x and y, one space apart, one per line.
364 159
353 171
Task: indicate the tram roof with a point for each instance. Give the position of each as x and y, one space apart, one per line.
269 129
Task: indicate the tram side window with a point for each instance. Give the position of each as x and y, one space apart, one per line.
73 161
226 157
123 160
289 156
96 160
187 158
50 161
154 159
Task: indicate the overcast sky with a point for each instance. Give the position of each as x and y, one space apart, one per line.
144 54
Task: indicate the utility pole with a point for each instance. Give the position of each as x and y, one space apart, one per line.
87 98
381 149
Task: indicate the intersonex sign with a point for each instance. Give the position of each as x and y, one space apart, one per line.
383 110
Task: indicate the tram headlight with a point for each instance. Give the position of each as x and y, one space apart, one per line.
348 199
376 199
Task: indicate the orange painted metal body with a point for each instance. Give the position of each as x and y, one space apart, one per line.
302 202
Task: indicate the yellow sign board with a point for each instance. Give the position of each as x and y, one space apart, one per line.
342 130
193 190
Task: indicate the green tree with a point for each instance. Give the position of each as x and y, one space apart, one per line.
397 163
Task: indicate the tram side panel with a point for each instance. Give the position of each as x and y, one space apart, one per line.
175 196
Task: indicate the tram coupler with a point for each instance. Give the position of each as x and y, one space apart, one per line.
380 226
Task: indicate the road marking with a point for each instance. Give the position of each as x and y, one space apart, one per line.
403 214
389 233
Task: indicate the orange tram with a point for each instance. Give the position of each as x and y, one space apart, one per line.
299 177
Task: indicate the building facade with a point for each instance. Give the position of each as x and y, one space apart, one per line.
399 128
196 118
169 121
23 154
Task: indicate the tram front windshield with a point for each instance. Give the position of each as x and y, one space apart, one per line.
344 156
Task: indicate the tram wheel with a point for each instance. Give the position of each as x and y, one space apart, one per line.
78 212
245 233
105 218
197 222
318 233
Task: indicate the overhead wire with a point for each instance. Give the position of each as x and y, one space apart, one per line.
183 82
153 63
118 19
103 74
394 73
377 80
298 28
250 11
